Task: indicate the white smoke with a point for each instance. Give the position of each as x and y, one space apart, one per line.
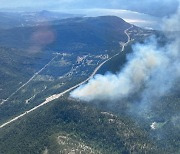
172 23
151 70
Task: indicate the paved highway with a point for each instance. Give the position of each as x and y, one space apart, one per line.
56 96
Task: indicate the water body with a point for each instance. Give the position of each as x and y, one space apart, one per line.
139 19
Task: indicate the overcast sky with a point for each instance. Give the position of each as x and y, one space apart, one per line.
154 7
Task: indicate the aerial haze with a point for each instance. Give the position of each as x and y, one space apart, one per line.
160 8
90 76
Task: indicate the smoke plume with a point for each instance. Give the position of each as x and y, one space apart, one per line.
152 71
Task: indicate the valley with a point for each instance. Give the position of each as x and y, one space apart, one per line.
56 96
43 60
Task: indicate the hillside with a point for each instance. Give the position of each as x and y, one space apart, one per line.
40 61
82 34
66 126
33 70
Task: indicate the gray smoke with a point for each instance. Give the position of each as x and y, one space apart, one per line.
151 70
